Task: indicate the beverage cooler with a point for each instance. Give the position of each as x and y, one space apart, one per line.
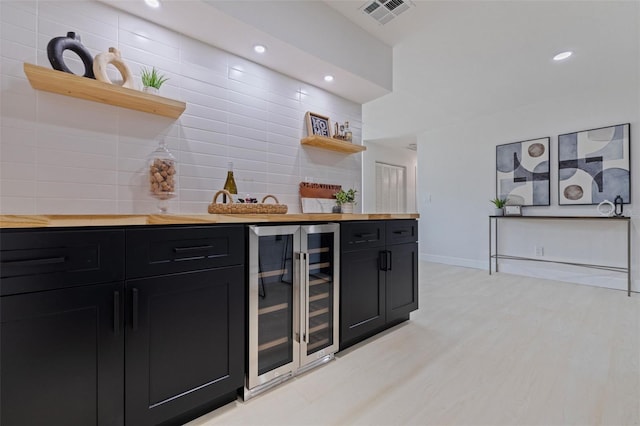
293 301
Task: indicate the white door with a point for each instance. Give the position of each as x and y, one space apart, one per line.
391 188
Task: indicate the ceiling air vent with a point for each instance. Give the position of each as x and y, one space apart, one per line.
384 11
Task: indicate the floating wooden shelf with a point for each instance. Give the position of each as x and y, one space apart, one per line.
93 90
332 144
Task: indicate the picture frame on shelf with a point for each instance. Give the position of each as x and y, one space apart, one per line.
318 124
522 172
594 165
512 210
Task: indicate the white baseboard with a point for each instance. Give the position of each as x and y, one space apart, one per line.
455 261
575 275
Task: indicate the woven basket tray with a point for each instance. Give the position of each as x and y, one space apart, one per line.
245 208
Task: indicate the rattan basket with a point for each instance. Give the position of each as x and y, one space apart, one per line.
245 208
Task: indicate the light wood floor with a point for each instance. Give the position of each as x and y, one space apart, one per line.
482 350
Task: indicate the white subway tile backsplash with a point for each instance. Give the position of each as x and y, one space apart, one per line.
26 6
205 172
198 138
16 152
18 110
246 100
18 34
246 132
18 205
95 43
246 111
153 32
247 121
283 130
18 171
196 54
48 189
204 123
12 13
69 156
12 68
207 112
147 41
17 188
75 204
246 153
60 158
200 79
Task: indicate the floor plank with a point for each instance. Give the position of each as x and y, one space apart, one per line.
481 350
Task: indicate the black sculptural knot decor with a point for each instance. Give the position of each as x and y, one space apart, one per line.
71 41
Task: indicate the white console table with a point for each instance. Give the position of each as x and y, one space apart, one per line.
493 231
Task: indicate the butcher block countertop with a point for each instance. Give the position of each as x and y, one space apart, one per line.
47 221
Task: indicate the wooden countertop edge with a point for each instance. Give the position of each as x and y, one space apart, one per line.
50 221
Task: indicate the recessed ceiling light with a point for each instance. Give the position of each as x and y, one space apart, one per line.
562 56
328 78
153 3
259 48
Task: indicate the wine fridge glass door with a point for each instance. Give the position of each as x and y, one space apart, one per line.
273 288
319 292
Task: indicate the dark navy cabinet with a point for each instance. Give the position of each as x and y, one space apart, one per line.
120 326
61 327
185 322
379 277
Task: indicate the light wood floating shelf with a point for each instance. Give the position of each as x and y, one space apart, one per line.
75 86
332 144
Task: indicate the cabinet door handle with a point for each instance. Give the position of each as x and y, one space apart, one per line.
116 313
369 235
34 262
188 249
134 309
389 261
401 232
382 260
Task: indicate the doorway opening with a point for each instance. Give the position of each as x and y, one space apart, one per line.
391 188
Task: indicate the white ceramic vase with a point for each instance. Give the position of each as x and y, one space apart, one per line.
151 90
498 212
347 208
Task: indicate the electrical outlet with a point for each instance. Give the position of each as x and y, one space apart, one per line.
539 250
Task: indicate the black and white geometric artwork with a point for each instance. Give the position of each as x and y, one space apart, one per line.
522 172
593 166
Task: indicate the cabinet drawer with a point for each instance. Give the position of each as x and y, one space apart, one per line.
46 260
361 235
181 249
402 231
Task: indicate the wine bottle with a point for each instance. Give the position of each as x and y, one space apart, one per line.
230 183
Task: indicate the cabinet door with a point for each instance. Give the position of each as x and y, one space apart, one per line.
362 295
402 281
62 357
184 343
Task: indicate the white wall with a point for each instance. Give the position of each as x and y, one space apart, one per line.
62 155
397 156
457 169
315 27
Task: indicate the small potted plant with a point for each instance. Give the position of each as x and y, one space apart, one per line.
152 80
346 199
499 203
